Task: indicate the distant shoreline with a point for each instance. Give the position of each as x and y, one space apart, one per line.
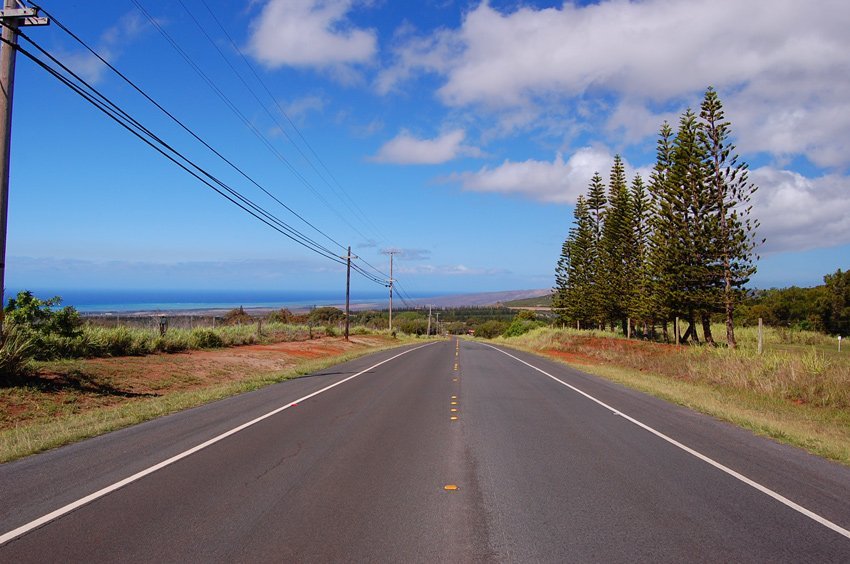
481 299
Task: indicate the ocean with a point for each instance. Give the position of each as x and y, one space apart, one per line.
106 301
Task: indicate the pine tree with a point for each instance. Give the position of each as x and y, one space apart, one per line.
660 243
573 273
731 191
616 247
639 269
596 205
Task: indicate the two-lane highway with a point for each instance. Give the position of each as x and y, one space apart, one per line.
451 451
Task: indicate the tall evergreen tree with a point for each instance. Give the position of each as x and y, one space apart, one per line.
573 273
731 191
616 247
660 241
639 271
597 203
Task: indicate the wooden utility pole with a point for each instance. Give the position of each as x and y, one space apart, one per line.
429 320
13 16
391 252
347 258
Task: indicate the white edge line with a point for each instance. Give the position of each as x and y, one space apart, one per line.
23 529
765 490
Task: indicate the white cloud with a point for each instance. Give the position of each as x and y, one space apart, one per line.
558 181
799 213
310 33
780 65
112 43
406 149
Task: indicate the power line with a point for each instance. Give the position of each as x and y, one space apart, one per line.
233 108
112 110
186 128
354 207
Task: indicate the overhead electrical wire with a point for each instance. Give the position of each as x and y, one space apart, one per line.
233 108
112 110
182 125
288 230
283 112
185 127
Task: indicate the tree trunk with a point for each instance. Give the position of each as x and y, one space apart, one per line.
706 329
691 332
730 306
664 331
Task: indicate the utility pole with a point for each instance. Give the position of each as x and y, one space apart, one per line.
438 322
391 252
13 15
429 320
347 258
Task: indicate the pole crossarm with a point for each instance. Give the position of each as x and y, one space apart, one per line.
22 16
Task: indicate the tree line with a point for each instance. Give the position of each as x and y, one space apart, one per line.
824 308
681 245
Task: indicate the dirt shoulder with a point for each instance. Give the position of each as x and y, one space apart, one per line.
70 400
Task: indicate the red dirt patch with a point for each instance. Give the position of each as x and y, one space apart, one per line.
73 386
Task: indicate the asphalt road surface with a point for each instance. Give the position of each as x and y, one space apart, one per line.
451 452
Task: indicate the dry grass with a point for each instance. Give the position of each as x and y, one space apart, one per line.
798 391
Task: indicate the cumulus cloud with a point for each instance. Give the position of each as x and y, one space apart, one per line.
558 181
799 213
782 63
310 33
450 270
407 149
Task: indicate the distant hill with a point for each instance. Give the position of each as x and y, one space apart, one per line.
484 299
535 301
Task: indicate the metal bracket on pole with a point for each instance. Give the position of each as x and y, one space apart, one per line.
23 16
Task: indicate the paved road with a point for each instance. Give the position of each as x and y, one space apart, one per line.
358 473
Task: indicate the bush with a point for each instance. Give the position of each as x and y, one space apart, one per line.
326 315
520 326
205 339
41 316
490 329
237 317
330 331
15 353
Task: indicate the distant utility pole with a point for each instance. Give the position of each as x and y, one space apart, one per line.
347 258
13 15
429 320
438 322
391 252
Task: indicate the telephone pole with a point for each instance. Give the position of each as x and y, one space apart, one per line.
429 320
13 15
391 252
347 258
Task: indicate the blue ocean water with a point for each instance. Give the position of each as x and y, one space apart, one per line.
102 301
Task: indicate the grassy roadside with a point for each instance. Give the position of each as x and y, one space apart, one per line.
61 426
795 395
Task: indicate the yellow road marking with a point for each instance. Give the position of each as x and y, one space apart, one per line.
453 418
450 487
453 410
454 403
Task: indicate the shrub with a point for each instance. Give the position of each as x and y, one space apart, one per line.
205 339
237 317
330 331
520 326
15 353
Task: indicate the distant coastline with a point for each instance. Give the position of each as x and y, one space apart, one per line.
217 302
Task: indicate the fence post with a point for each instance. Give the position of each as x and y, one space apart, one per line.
259 328
628 327
676 330
761 337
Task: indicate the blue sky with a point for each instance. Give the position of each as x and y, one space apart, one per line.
463 131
